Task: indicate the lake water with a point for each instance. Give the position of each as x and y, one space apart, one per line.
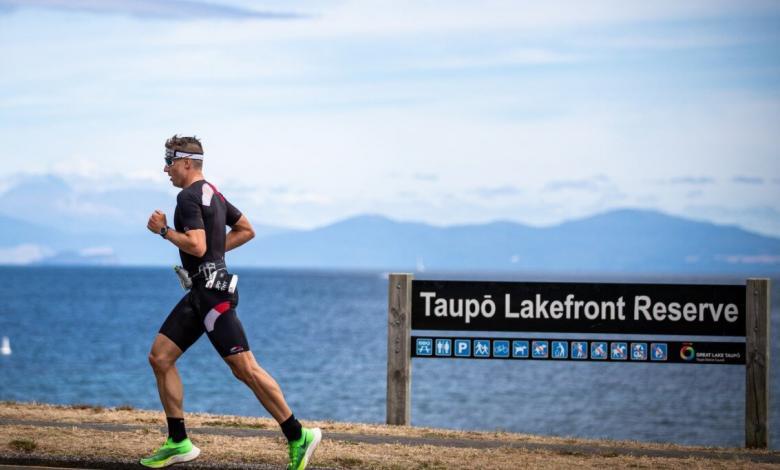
81 335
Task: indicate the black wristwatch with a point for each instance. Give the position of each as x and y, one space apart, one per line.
164 231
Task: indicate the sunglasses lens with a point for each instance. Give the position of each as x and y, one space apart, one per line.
168 161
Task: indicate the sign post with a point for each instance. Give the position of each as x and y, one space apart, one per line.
399 357
757 364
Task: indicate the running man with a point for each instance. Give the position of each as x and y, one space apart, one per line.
200 220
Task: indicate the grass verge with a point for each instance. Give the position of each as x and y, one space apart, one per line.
343 453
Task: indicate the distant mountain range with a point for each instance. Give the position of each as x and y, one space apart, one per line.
618 241
635 241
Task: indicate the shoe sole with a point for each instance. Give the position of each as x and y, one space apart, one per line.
181 458
191 455
314 443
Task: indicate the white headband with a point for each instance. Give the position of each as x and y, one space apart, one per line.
176 154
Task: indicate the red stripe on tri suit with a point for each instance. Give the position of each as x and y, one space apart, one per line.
213 315
223 307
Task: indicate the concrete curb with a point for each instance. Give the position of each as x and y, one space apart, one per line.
564 449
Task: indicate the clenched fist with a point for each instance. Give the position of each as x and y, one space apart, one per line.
157 221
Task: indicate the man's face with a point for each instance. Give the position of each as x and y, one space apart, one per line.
177 171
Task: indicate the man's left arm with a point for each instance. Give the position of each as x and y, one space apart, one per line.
240 233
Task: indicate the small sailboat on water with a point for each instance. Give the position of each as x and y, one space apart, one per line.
5 347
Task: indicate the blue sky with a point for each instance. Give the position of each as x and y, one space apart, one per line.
442 112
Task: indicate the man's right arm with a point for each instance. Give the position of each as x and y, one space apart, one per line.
192 241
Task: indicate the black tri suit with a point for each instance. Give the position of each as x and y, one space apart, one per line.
202 206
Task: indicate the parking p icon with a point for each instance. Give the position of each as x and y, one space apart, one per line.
462 348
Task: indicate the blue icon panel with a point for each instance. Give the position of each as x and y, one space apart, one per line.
462 348
659 351
540 350
618 351
638 351
560 349
598 350
608 350
500 348
519 348
579 349
481 348
443 347
424 346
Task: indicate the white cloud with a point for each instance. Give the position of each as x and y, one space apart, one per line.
688 180
375 20
750 259
7 183
406 16
594 184
23 254
498 191
664 40
742 179
426 177
82 207
479 59
98 251
168 9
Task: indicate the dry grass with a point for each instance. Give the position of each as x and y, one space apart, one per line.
73 441
216 449
128 415
23 445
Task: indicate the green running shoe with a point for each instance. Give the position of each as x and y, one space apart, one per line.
171 453
302 449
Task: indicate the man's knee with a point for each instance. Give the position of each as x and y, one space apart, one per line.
243 371
239 371
160 362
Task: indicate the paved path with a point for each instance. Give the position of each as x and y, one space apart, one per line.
567 449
